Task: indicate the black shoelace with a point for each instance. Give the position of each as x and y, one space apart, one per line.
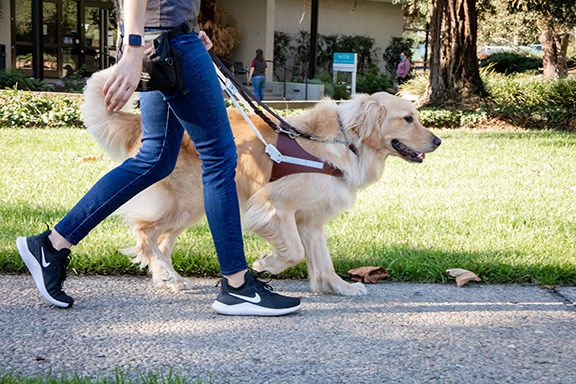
62 270
257 276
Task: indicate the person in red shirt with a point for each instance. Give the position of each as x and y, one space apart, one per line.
258 70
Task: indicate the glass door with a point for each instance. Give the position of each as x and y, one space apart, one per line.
100 31
50 37
93 35
70 38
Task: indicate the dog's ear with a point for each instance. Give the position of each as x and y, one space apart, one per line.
368 117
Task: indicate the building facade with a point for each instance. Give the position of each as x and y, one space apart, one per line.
52 38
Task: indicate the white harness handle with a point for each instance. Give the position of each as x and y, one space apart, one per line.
270 149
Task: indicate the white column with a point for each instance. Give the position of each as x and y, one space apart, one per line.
269 37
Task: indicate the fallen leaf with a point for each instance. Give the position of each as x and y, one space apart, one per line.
38 358
549 166
394 304
573 189
91 158
537 172
462 276
368 275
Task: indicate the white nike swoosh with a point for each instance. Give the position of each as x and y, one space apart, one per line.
44 263
256 299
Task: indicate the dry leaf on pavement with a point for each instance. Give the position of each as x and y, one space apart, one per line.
462 276
368 275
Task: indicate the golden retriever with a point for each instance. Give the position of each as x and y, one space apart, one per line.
289 213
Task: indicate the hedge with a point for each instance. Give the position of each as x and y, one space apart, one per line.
24 109
29 109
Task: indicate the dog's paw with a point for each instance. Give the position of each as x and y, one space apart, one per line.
340 287
181 284
266 263
355 289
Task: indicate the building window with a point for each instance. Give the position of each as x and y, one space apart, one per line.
72 36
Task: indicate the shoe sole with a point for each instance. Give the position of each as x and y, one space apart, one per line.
248 309
36 272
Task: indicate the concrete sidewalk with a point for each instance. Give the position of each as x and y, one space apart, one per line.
399 333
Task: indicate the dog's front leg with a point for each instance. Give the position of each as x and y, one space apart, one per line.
275 224
321 273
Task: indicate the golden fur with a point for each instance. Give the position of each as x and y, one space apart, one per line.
289 213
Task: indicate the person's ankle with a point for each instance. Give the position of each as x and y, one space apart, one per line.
57 241
236 280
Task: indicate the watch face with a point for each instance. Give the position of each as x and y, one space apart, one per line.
134 40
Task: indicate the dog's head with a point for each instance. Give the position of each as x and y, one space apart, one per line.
388 124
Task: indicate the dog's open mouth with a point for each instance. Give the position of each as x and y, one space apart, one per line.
407 153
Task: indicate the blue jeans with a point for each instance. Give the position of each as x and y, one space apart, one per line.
258 84
165 117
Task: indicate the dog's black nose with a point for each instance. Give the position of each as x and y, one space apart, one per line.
436 141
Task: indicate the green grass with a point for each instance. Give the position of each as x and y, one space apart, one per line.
498 203
121 377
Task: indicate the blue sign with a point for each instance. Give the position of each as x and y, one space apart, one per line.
344 58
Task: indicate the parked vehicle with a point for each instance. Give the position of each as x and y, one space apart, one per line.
501 46
536 48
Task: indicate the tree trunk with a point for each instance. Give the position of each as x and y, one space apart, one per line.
436 87
563 40
454 72
549 53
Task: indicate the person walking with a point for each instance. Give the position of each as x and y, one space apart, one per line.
166 115
258 69
403 69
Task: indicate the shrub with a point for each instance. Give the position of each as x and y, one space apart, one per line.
416 85
16 78
25 109
297 47
528 91
72 83
341 92
512 62
373 82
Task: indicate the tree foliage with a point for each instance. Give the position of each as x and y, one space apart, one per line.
555 21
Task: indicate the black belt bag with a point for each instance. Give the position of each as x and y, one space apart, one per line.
162 64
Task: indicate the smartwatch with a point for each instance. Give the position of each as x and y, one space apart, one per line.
134 40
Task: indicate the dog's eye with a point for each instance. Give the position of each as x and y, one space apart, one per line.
409 119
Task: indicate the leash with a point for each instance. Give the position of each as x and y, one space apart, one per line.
232 86
243 97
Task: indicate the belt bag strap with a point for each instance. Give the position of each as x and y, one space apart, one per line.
184 28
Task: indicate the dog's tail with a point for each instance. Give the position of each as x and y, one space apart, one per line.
115 132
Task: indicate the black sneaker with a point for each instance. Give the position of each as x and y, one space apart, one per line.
253 298
47 266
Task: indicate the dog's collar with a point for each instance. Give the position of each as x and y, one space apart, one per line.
284 128
346 142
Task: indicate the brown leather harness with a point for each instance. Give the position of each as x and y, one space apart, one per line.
290 147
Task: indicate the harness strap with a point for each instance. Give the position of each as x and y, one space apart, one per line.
249 97
300 161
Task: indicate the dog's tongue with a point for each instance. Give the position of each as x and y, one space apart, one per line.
420 155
